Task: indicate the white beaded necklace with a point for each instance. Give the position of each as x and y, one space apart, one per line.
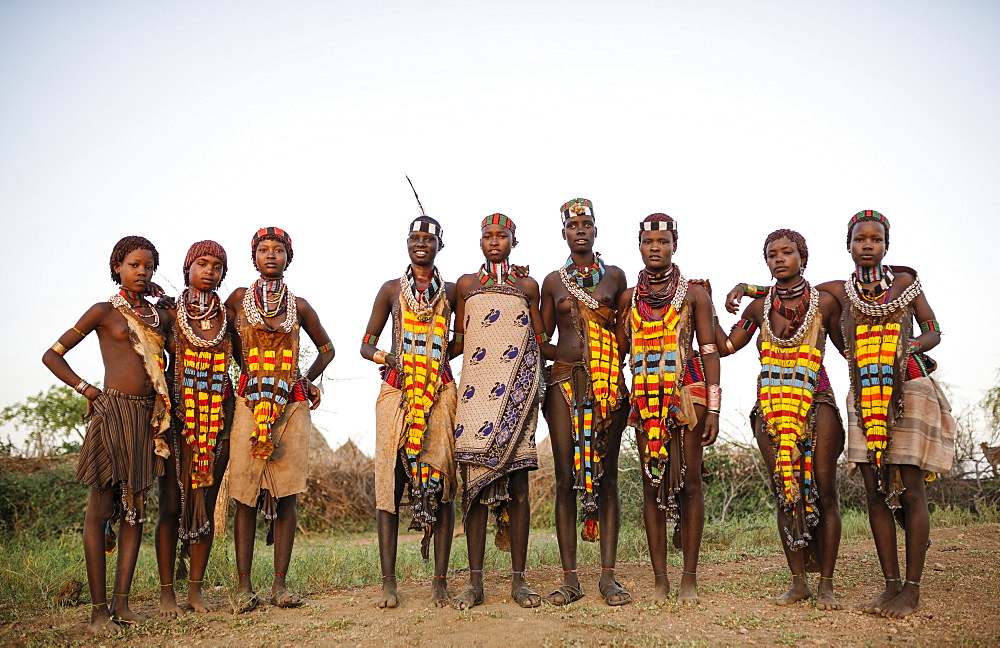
123 305
254 316
185 326
800 334
880 310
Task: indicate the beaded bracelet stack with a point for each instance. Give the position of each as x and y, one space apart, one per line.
930 325
541 338
750 290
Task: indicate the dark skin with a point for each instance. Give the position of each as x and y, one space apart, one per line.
270 258
496 243
868 247
786 265
204 274
422 248
657 248
124 372
579 232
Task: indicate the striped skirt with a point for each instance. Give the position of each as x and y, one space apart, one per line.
118 450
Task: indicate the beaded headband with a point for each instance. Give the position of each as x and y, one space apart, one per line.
648 226
275 233
424 226
499 219
868 215
577 207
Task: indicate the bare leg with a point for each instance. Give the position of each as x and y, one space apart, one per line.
130 538
444 527
692 505
918 530
795 558
244 531
388 538
828 446
201 550
655 521
609 506
166 538
519 508
284 540
884 532
560 424
475 536
100 507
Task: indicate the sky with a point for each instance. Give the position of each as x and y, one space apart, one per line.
183 121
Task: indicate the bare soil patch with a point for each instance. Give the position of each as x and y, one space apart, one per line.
960 607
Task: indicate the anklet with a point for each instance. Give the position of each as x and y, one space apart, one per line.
690 573
826 577
194 581
167 585
802 576
388 576
119 595
476 571
659 575
569 571
522 573
914 583
244 575
605 569
436 576
279 574
97 605
894 580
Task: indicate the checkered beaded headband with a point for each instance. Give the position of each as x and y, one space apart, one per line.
870 215
649 226
577 207
424 226
499 219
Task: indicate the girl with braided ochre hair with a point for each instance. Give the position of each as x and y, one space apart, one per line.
125 441
675 398
200 351
795 421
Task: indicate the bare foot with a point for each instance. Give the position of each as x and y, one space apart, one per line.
101 624
903 604
688 592
198 603
169 610
661 589
390 598
799 591
825 600
122 614
889 593
471 597
439 593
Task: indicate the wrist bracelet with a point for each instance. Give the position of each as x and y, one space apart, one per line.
541 338
370 338
459 337
714 399
705 349
379 357
81 386
751 290
914 345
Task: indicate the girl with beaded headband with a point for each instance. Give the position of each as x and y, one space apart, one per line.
585 401
415 411
900 428
675 397
795 421
202 395
269 441
496 320
125 440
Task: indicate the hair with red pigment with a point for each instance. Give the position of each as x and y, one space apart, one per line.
868 217
205 248
659 218
124 247
794 237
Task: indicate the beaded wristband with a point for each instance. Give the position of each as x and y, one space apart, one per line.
59 348
326 347
746 325
930 325
714 399
81 386
914 345
751 290
541 338
370 338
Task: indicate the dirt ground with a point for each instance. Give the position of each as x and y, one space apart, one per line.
960 607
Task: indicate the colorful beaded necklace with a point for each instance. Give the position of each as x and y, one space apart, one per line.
255 313
878 294
204 315
421 302
491 274
119 301
270 296
586 278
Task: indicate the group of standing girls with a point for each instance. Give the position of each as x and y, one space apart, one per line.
184 421
429 431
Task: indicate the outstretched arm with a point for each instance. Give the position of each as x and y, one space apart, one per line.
742 332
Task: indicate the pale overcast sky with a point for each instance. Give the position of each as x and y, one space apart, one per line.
181 121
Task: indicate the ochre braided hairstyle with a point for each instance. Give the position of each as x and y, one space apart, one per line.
124 247
794 237
659 218
205 248
867 215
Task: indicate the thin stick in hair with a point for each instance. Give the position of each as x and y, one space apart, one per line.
422 212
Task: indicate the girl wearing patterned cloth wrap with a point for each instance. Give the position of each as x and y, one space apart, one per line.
202 397
585 404
496 318
796 422
415 411
900 430
270 433
658 320
126 433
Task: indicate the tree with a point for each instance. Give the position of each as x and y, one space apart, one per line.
51 418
